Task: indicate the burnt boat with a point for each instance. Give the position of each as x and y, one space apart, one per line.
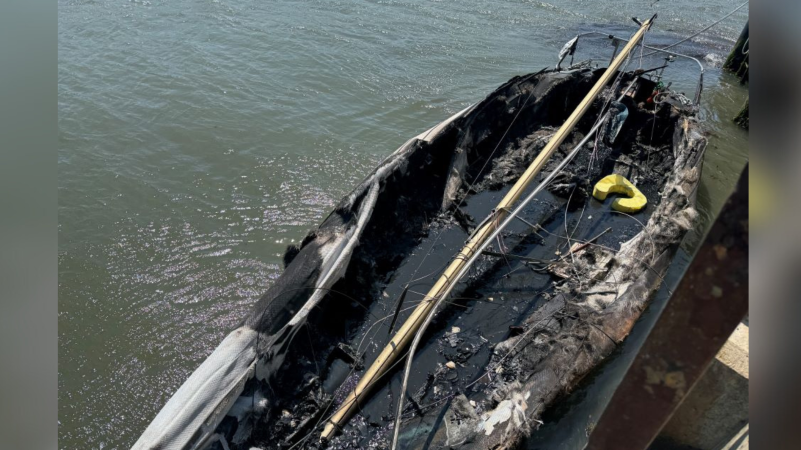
546 301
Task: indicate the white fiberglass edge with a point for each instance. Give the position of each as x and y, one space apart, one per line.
334 269
190 417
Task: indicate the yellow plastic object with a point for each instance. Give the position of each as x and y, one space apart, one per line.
618 184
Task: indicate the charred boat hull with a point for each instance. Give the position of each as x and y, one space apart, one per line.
275 379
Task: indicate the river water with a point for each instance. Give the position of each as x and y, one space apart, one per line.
198 138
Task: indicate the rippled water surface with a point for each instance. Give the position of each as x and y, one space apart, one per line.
198 138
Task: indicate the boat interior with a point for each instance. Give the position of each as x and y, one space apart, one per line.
427 208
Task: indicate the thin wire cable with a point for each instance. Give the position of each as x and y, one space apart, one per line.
471 185
700 32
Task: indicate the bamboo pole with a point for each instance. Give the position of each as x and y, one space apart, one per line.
406 332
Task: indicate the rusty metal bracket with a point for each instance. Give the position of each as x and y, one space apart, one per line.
708 304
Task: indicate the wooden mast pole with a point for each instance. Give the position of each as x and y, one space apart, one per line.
406 332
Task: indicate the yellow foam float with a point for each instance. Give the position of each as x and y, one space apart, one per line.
618 184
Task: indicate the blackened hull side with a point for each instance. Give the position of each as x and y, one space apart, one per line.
355 248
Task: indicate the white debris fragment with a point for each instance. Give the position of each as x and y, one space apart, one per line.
514 409
455 330
450 365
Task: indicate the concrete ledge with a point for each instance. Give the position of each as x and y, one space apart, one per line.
714 416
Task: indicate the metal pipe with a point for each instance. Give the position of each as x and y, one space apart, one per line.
616 42
700 87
